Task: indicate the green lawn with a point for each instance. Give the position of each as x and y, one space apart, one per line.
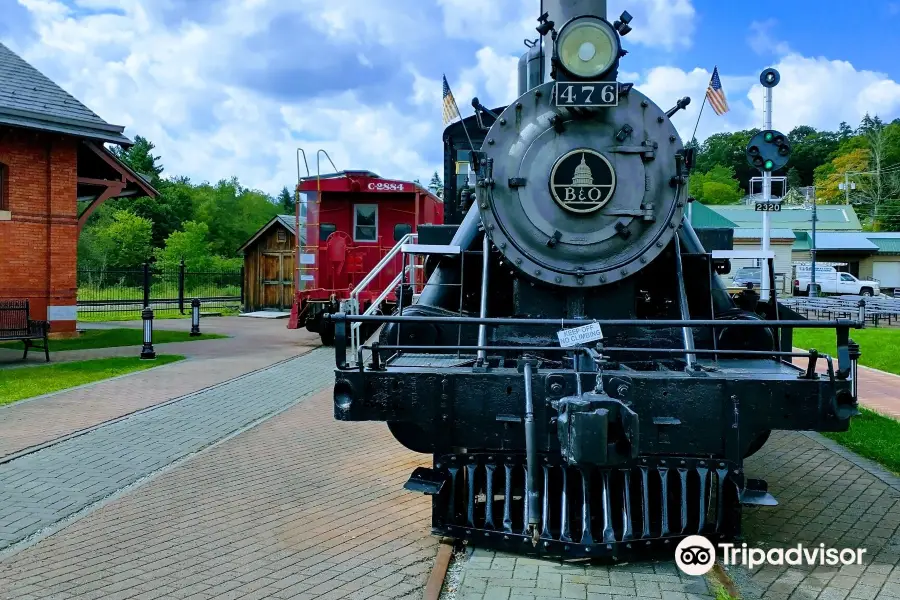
878 347
26 382
873 436
115 338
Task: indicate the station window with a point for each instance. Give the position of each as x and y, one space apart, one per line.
365 223
4 187
401 229
282 237
326 229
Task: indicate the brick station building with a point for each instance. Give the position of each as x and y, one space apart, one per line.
54 172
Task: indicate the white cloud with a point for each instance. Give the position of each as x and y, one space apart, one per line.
822 93
762 42
173 83
666 24
813 91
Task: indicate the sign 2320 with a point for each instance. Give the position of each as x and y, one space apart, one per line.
587 93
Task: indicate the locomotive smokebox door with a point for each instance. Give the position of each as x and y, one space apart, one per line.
597 204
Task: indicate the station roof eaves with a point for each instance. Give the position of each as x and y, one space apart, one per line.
30 100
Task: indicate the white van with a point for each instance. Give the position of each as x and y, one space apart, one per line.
832 281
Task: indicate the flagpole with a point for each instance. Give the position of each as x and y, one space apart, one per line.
694 135
461 119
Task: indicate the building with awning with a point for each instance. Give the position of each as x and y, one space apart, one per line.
55 170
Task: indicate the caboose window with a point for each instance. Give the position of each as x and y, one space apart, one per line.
365 223
326 229
401 229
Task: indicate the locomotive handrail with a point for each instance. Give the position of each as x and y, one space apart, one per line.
649 323
370 277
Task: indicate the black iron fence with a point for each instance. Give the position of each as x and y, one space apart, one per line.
124 290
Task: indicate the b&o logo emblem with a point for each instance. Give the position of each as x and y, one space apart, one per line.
582 181
695 555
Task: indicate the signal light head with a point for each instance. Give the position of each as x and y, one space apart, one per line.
768 150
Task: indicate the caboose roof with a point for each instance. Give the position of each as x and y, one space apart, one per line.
365 182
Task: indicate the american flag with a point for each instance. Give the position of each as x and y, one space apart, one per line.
716 95
450 110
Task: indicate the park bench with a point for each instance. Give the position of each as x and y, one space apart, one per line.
15 325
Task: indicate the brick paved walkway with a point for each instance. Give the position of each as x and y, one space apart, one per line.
256 343
826 495
301 506
42 488
498 576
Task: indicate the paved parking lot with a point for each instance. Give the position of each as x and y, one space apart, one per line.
301 506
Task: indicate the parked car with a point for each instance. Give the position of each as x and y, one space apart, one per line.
831 281
746 275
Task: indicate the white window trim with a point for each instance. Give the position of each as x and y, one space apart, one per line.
355 214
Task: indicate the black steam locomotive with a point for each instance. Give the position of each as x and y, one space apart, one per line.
586 385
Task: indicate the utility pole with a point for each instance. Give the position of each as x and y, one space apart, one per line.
813 292
767 196
847 186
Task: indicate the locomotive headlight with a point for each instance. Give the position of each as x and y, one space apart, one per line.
587 47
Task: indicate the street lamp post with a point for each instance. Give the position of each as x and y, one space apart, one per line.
147 351
195 317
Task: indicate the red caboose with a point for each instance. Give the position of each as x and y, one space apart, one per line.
350 221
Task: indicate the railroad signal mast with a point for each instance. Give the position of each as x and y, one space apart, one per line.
768 151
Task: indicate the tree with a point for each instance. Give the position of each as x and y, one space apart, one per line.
232 213
140 158
728 150
716 186
124 241
830 176
793 178
167 212
436 186
194 247
286 200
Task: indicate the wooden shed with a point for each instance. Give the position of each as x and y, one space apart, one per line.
269 266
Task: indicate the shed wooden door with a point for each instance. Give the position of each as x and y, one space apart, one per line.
276 280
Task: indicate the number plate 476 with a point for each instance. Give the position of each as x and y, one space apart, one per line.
587 93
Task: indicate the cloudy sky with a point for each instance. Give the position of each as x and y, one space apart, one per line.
233 87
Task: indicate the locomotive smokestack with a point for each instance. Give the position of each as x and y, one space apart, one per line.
560 11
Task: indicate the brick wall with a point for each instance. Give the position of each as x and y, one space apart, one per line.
38 245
